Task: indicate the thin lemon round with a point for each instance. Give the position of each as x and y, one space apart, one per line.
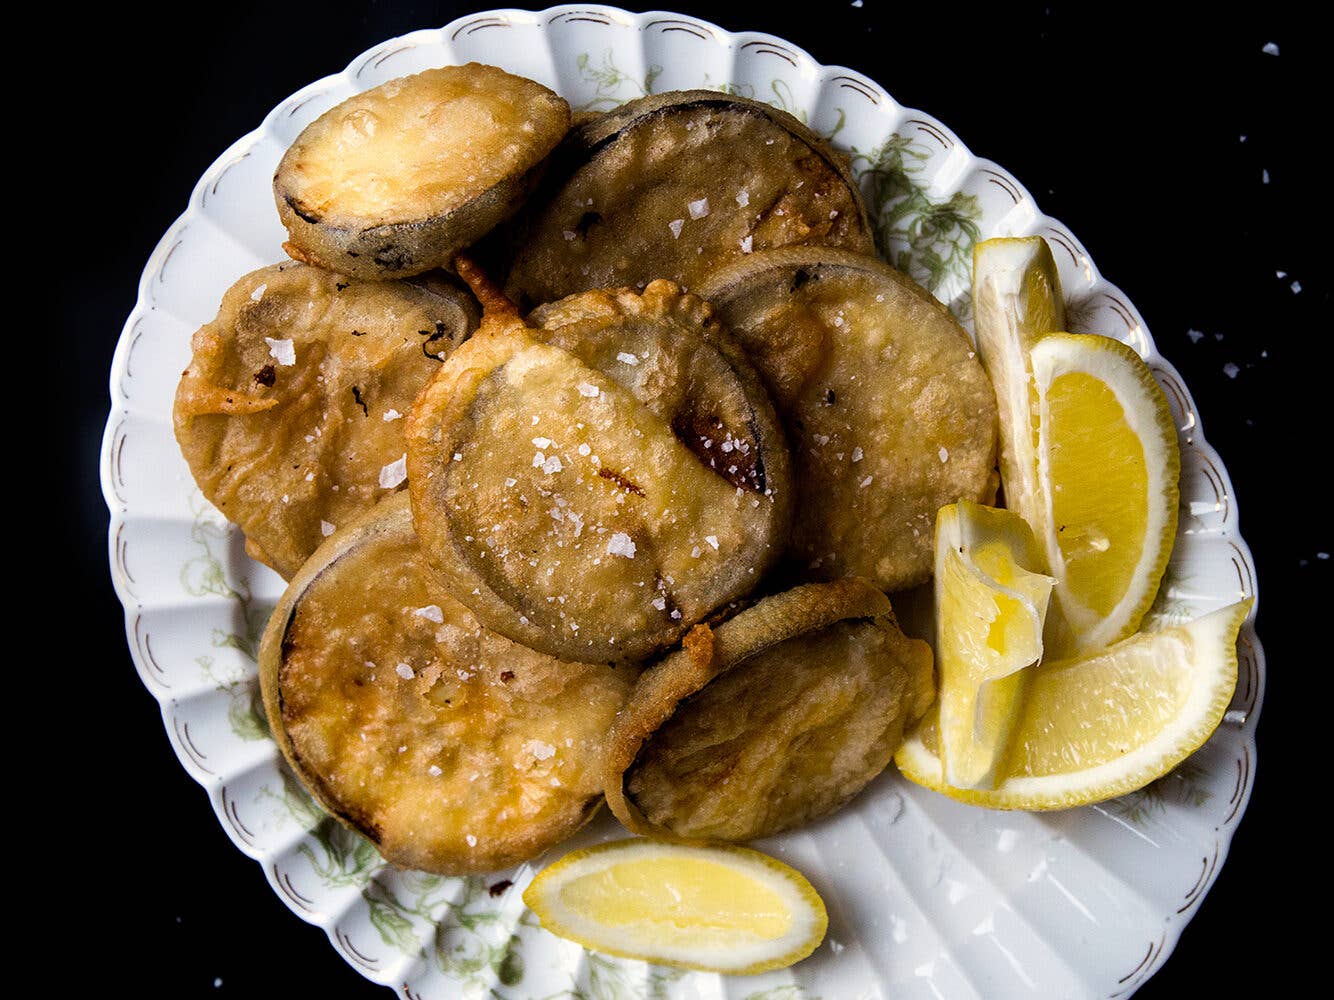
1108 465
1016 300
990 609
723 909
1103 725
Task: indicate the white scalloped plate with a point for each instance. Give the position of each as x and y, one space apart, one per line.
926 897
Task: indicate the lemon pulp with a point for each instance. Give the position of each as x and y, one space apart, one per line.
683 899
721 908
1107 469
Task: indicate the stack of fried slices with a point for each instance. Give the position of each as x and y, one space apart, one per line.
625 528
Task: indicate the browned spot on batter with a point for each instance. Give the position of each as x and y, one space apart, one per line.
621 481
705 436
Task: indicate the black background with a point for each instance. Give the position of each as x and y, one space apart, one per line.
1125 123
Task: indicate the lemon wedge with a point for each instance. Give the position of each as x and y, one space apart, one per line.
1016 299
1102 725
720 909
1108 465
990 609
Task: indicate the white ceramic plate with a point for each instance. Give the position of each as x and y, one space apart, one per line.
926 897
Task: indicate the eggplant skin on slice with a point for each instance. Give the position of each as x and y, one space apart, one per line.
396 180
292 406
888 411
677 184
776 717
449 747
594 487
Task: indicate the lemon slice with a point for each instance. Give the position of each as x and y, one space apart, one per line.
717 909
1016 299
1103 725
990 608
1108 465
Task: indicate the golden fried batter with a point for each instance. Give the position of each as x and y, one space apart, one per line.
675 185
595 495
451 748
775 718
888 411
395 180
290 414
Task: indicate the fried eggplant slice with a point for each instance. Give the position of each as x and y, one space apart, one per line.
889 414
774 718
594 487
290 414
451 748
396 180
677 184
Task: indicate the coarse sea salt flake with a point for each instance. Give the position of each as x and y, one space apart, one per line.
866 482
1231 370
584 450
746 244
944 454
472 841
857 454
675 226
391 415
621 544
327 529
588 389
552 465
660 603
434 771
258 293
542 442
1270 48
699 209
626 358
743 197
405 671
394 473
431 612
281 351
540 750
712 540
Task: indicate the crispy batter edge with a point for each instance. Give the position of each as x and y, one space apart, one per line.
706 655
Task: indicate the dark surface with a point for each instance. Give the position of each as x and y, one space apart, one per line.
1126 128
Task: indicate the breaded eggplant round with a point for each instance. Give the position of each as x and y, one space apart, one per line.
290 414
594 487
889 413
770 720
449 747
396 180
677 184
